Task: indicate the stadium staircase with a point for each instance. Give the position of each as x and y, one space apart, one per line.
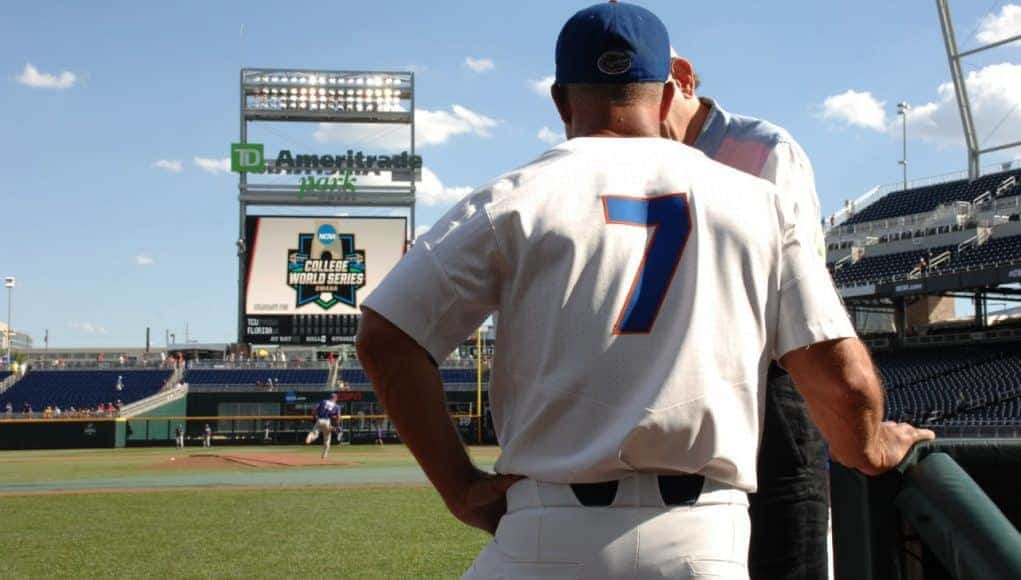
7 380
173 389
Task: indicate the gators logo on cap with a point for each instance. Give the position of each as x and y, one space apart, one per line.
614 62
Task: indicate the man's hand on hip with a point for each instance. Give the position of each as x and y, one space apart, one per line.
484 500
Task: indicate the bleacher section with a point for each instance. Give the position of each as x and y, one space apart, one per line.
995 251
879 268
923 199
82 389
307 378
961 385
356 376
873 269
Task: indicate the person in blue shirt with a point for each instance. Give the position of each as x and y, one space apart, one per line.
326 416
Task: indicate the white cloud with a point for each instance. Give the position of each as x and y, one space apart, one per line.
212 165
87 328
994 27
434 127
995 95
994 92
32 77
419 230
549 136
854 108
171 165
144 260
479 65
431 128
541 86
432 192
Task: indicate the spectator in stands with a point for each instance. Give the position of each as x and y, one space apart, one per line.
9 410
120 383
26 408
56 411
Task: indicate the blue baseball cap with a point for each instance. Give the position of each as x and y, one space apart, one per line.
613 43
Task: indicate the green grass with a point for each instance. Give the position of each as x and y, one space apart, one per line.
349 533
43 466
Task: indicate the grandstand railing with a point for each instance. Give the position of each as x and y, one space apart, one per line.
256 364
149 403
310 387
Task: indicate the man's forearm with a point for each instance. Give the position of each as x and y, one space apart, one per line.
844 397
411 390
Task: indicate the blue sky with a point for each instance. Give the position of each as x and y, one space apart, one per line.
116 116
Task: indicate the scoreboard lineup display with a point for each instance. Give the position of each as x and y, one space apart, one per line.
306 276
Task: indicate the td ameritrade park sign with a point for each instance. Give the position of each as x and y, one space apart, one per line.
343 169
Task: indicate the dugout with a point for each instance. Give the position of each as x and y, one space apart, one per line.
950 511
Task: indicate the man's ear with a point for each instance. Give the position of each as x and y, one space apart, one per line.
669 91
559 94
683 73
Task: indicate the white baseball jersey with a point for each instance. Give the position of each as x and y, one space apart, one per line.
642 291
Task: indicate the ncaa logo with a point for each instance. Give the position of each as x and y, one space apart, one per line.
614 62
326 234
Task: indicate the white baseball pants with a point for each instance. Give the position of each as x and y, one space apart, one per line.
548 534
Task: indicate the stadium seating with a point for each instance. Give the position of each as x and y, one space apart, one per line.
356 376
872 269
993 252
923 199
969 385
292 377
82 389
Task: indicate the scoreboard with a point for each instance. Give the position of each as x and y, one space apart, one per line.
307 276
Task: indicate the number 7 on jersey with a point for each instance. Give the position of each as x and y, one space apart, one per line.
670 218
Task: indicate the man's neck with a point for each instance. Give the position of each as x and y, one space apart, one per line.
697 122
615 122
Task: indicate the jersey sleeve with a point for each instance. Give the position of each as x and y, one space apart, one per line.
810 310
447 284
789 168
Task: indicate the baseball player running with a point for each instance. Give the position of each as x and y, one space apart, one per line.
326 416
789 511
642 291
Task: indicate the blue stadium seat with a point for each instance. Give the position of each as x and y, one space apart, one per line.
976 385
82 388
305 377
923 199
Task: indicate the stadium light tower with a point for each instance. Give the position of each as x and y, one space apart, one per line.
902 110
9 284
954 57
382 98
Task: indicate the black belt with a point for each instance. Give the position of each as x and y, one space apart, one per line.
676 490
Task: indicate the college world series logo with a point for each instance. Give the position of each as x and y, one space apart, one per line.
326 268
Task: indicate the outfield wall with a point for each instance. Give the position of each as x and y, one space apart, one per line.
59 433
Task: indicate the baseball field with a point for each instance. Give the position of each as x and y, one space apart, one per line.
268 512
